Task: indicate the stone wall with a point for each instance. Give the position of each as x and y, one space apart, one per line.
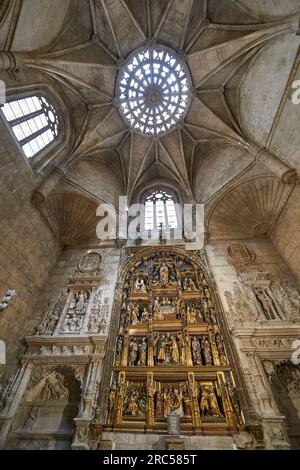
28 250
260 297
62 365
286 236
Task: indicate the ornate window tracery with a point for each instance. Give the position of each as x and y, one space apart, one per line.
153 90
160 209
33 121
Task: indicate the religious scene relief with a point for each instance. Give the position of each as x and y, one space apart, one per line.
170 354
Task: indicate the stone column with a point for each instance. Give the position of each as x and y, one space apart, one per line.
280 169
47 186
14 399
8 61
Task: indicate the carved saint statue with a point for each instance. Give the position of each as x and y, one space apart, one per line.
133 352
181 345
133 407
112 397
175 350
161 349
187 408
208 402
142 352
267 305
159 404
145 316
196 352
207 352
164 275
191 315
135 315
158 314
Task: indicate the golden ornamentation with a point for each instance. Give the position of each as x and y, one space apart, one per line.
170 350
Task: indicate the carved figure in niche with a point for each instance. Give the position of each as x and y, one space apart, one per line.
177 400
164 275
133 352
241 304
93 322
31 418
266 305
168 346
191 315
208 402
140 286
187 407
212 316
161 349
196 352
112 397
51 317
135 315
172 401
119 350
206 351
135 401
177 305
81 300
145 316
181 346
143 352
175 350
157 314
288 298
72 302
286 378
54 388
221 349
133 407
159 404
167 401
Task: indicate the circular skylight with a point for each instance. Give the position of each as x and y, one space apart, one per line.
154 90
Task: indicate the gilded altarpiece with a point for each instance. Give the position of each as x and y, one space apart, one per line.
169 352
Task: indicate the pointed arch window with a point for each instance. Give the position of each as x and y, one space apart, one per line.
33 121
160 210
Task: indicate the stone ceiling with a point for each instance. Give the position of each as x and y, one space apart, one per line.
242 57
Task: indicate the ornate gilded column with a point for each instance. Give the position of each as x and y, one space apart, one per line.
228 410
194 398
120 399
150 400
214 350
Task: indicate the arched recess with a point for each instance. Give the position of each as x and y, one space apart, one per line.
143 284
71 216
50 402
248 210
